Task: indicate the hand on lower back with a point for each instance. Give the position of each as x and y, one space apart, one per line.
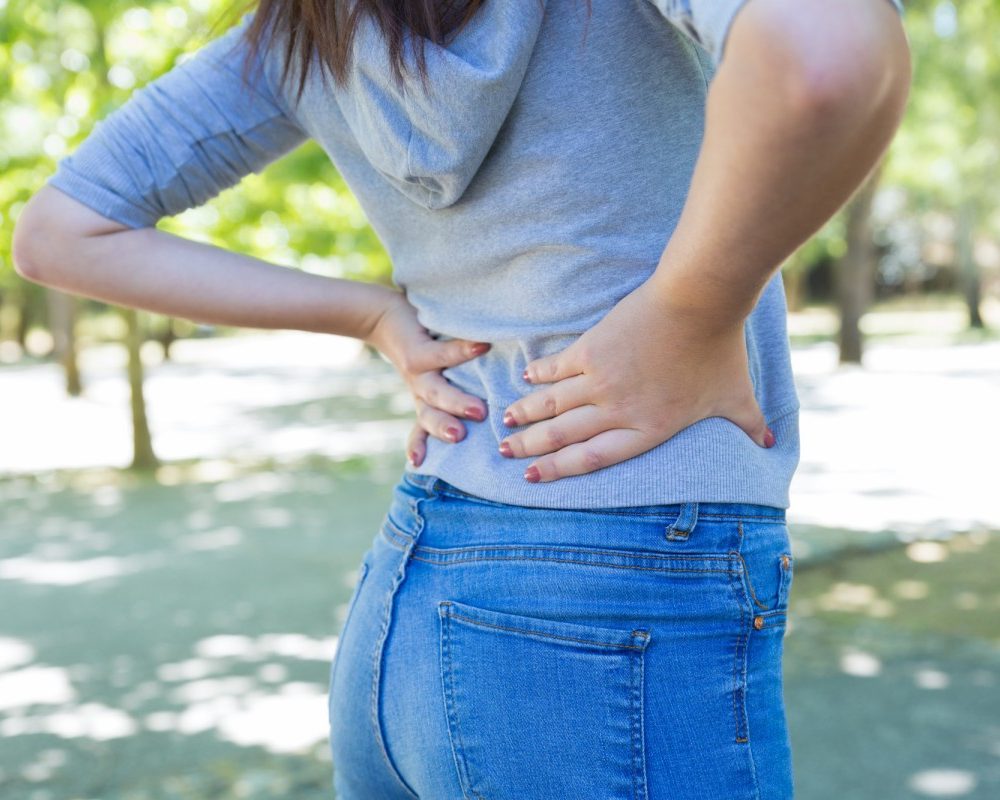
420 358
630 383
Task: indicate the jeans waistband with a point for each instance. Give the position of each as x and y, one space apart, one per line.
714 509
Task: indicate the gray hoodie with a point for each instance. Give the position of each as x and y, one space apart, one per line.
532 186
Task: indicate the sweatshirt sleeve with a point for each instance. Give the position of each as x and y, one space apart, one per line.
184 137
707 22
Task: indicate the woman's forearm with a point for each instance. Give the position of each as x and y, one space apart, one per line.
805 101
157 271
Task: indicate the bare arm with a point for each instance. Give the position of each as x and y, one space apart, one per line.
807 97
174 144
62 243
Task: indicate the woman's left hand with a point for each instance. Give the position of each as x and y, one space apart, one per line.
647 370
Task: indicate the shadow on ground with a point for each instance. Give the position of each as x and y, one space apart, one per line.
173 640
892 669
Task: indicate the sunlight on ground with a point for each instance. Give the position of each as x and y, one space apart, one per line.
246 710
69 573
904 442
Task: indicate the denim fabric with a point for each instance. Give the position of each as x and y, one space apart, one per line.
502 652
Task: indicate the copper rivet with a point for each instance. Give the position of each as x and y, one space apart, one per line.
758 622
784 560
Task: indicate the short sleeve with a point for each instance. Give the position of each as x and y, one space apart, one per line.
184 137
707 22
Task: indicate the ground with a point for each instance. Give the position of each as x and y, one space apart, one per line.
171 638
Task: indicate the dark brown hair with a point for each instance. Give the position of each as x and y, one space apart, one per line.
326 28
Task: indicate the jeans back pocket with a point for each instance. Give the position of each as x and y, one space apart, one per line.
541 707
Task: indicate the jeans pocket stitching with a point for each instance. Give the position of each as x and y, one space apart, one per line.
739 683
631 644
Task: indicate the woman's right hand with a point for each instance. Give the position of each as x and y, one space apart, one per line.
400 337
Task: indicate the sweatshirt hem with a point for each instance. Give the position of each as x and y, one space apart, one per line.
712 461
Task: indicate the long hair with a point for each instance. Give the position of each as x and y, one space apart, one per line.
326 28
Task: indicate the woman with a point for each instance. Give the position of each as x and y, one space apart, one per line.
579 588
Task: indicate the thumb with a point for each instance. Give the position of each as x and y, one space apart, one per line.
433 354
751 421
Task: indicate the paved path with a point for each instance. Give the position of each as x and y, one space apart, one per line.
909 442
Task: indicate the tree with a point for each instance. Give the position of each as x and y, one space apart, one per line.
855 270
947 153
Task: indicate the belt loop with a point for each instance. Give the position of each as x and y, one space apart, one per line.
681 528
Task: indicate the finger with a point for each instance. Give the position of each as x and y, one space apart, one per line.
576 425
548 402
603 450
435 354
439 424
416 445
552 368
436 390
749 418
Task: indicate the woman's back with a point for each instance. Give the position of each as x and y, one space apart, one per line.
569 211
531 188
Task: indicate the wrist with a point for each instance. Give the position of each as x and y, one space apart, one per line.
697 303
383 300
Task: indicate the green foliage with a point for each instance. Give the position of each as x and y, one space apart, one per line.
64 66
948 149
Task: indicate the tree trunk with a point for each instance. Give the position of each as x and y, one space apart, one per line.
968 268
855 271
167 337
793 278
24 319
143 456
63 311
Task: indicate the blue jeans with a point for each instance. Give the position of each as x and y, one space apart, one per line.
502 652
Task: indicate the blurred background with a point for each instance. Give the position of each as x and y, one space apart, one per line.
183 507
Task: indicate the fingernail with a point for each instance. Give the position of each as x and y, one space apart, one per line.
452 433
479 348
413 457
505 449
768 438
531 474
526 376
474 413
508 418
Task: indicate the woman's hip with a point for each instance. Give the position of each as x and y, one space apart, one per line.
631 652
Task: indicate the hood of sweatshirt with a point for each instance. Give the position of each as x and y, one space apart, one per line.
430 142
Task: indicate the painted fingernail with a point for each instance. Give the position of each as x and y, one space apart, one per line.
508 418
532 474
474 413
413 457
505 449
452 433
768 438
479 348
526 376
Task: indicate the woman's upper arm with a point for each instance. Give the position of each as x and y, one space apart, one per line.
184 137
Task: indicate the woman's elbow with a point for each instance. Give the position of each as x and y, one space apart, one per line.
833 64
32 244
50 235
853 80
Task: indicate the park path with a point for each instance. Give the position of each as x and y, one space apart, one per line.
908 442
